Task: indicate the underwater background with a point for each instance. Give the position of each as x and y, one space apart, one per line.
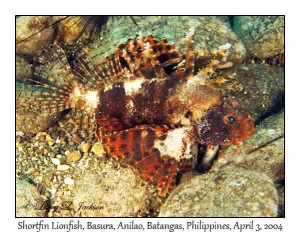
64 174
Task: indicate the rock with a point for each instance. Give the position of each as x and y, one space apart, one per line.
29 119
226 193
263 36
210 33
69 181
85 147
63 167
29 203
110 191
72 28
257 88
263 151
55 161
31 122
281 209
98 149
73 156
23 69
225 19
29 25
30 170
47 178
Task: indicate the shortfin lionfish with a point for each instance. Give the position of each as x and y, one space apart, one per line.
145 103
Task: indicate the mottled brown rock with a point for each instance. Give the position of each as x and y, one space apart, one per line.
23 69
210 33
85 147
29 25
110 192
97 149
226 193
281 206
29 202
72 28
263 36
257 88
73 156
29 122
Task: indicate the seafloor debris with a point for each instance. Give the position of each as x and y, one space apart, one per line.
72 29
94 185
26 26
258 88
263 36
23 68
29 201
226 193
119 192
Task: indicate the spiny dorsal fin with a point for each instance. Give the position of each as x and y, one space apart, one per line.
141 58
190 56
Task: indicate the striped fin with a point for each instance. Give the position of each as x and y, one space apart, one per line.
78 125
87 73
52 83
109 125
96 76
55 68
141 58
135 147
219 60
190 56
49 102
42 102
165 54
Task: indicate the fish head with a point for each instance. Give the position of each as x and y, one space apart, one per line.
225 126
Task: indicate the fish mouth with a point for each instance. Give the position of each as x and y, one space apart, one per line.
242 131
246 130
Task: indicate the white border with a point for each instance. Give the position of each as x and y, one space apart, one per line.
108 7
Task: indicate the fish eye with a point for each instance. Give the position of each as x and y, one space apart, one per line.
230 120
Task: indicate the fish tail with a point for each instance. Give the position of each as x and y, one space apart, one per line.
56 90
49 89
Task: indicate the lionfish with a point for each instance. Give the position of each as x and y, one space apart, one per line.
144 103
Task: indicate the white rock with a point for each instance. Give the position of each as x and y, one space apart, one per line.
52 191
19 133
63 167
69 181
55 161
